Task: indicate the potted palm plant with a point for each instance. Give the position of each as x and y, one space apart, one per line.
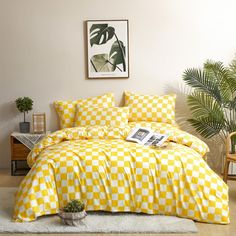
24 104
73 213
213 99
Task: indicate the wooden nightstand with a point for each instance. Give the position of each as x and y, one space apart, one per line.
20 151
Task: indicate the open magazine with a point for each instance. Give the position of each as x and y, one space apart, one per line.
147 137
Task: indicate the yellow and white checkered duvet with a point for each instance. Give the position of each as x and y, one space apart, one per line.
96 164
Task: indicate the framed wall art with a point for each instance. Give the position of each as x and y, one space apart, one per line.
108 48
39 123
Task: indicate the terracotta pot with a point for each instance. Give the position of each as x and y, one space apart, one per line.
72 218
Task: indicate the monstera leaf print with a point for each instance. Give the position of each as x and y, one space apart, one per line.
100 34
117 53
100 63
106 60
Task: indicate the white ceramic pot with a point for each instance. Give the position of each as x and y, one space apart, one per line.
72 218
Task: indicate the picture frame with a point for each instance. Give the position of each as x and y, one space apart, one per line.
107 49
39 123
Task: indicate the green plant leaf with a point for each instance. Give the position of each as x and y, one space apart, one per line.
231 104
200 80
203 105
117 53
232 71
100 63
24 104
213 100
216 69
232 67
222 76
100 34
74 206
206 126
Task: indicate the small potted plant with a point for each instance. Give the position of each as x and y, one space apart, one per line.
73 213
24 105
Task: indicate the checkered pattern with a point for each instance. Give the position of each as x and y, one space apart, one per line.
110 174
109 116
151 107
66 110
175 135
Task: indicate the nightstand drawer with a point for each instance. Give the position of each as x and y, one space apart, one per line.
19 151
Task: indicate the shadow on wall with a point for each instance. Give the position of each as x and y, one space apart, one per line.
52 119
8 117
217 148
7 112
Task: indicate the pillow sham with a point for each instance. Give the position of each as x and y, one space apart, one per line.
66 110
109 116
151 107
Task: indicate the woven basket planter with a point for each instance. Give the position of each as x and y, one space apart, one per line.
72 218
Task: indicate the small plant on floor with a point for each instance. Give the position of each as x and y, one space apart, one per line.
24 105
74 206
73 213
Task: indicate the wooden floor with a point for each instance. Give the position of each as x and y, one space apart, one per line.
204 229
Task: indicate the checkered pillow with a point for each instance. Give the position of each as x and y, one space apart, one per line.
66 110
109 116
151 107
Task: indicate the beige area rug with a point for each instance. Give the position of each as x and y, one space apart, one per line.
93 223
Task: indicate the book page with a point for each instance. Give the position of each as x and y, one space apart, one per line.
160 139
150 140
139 135
146 137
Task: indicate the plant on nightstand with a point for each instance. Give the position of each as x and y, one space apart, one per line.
73 213
24 105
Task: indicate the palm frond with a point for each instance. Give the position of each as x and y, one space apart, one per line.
213 100
203 105
232 71
206 126
216 69
228 88
229 77
218 72
200 80
232 67
231 105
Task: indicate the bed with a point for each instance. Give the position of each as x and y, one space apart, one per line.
94 163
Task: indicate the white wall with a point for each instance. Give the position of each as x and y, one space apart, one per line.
42 50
